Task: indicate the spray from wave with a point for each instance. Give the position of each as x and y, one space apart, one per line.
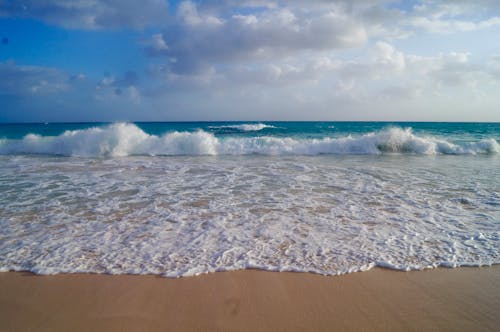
125 139
244 127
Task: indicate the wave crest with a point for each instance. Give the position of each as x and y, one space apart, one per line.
124 139
244 127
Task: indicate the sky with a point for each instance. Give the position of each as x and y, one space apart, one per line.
227 60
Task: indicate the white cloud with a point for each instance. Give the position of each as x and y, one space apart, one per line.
31 80
284 73
188 13
157 43
384 72
90 14
276 55
445 26
201 41
209 35
112 88
445 17
25 82
389 74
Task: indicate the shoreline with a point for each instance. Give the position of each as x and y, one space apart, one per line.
458 299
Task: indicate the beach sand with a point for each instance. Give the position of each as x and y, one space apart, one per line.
463 299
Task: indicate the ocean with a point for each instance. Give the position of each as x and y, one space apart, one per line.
182 199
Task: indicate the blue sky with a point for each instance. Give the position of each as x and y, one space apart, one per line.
159 60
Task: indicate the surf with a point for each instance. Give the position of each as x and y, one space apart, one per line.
127 139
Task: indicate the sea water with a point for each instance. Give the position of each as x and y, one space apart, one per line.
180 199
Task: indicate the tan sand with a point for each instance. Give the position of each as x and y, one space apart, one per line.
465 299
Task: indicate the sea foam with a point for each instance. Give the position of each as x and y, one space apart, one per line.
188 215
125 139
244 126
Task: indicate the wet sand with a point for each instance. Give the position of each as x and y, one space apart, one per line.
464 299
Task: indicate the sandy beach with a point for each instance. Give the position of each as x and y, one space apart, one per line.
463 299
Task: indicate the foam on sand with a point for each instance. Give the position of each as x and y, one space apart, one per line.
188 215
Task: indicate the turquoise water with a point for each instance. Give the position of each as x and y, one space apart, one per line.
454 130
238 138
180 199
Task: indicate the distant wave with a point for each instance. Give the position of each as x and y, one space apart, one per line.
244 127
124 139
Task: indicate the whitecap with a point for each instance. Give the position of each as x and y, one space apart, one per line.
125 139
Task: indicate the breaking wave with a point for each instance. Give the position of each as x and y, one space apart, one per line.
244 127
125 139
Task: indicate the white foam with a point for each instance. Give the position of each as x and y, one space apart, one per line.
245 126
116 140
188 215
123 139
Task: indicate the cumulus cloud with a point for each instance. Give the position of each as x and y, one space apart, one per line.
446 17
310 70
31 80
90 14
407 76
207 37
401 19
437 24
202 40
111 87
384 71
310 53
156 44
35 81
273 74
